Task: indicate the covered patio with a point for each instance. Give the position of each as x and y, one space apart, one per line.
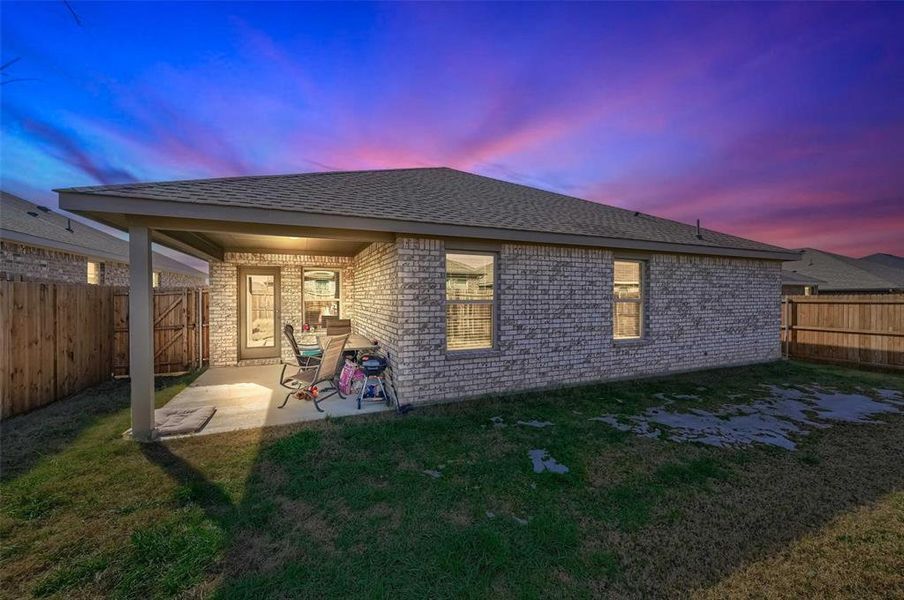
249 397
268 268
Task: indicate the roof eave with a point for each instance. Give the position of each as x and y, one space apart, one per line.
26 239
39 242
91 204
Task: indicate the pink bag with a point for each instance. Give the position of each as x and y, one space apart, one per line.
350 373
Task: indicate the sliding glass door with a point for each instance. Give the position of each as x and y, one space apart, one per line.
259 312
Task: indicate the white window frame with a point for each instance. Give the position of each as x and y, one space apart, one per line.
494 304
640 302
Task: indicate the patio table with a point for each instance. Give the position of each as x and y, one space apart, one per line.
355 343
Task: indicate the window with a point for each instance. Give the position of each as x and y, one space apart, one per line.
322 296
155 279
93 272
627 294
470 299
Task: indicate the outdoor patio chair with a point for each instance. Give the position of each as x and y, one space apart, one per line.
336 326
325 371
305 356
339 327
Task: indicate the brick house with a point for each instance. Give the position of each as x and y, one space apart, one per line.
829 273
37 243
473 285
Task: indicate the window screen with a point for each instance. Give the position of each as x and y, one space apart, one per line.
627 294
470 298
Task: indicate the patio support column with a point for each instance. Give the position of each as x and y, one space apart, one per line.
141 333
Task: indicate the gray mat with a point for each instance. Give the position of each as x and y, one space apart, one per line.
179 421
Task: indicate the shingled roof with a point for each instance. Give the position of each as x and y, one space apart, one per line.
887 260
26 223
792 278
440 196
843 273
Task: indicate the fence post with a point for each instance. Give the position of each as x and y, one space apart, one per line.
199 329
792 319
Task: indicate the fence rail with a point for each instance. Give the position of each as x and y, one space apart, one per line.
57 339
861 330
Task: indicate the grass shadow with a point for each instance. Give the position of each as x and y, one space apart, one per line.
347 507
49 430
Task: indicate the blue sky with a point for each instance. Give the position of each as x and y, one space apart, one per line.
781 122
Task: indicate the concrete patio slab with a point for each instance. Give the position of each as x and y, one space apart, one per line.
249 397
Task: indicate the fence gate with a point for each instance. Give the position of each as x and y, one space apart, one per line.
180 330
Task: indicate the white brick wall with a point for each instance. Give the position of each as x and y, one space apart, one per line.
555 320
30 262
554 315
224 308
39 263
224 298
377 296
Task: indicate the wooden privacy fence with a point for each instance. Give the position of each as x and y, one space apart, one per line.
860 330
56 339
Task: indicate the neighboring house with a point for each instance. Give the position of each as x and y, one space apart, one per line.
795 284
840 274
38 243
888 260
473 285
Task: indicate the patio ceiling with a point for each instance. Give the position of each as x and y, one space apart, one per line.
270 230
251 242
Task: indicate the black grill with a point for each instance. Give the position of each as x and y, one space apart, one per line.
373 366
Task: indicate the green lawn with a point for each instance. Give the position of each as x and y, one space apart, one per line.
342 508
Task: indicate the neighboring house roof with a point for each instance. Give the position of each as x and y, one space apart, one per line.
843 273
33 225
791 278
430 201
887 260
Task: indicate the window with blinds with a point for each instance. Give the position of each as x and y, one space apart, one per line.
627 294
470 298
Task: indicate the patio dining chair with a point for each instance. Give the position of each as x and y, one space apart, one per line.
325 371
335 326
305 356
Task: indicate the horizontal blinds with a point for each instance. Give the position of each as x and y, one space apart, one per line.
628 295
627 272
469 326
469 300
627 319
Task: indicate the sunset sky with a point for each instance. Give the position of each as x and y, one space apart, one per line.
782 123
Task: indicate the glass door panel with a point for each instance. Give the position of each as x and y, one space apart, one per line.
259 313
